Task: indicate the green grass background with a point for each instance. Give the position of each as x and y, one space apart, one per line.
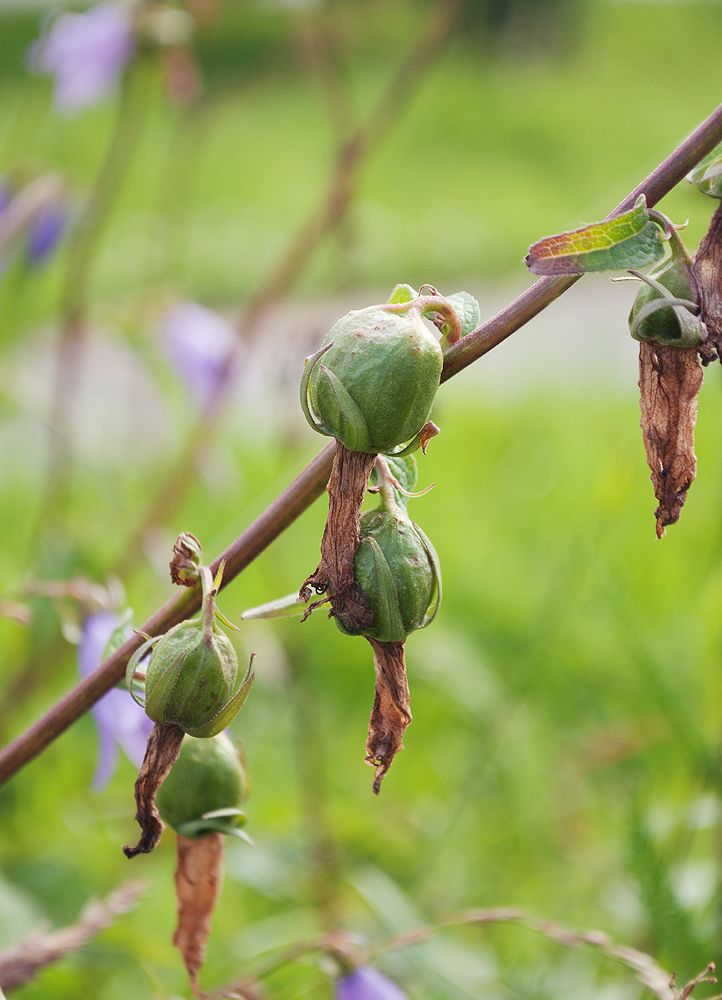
567 700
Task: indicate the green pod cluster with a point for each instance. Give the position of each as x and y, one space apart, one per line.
665 307
373 382
191 674
398 570
204 789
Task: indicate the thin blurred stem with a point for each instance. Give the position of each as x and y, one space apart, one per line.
652 976
323 219
310 484
82 251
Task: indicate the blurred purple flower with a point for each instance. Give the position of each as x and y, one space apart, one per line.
6 195
45 233
86 53
117 717
198 344
367 983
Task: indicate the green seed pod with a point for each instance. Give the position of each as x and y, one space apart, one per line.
191 673
397 568
372 384
665 307
204 789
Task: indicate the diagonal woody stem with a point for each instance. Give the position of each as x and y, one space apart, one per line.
310 484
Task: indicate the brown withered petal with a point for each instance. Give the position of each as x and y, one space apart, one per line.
164 745
184 564
391 713
198 881
670 379
334 574
707 268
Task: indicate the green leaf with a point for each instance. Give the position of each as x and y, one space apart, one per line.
283 607
403 293
628 240
467 309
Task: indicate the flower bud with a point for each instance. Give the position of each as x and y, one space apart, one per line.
372 384
665 307
397 568
186 562
192 671
204 789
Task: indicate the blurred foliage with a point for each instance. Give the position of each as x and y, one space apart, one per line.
567 700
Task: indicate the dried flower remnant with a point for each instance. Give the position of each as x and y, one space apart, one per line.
670 379
707 268
367 983
161 753
186 561
86 53
664 318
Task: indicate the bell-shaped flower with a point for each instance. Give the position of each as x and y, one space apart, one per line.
119 721
86 53
200 345
367 983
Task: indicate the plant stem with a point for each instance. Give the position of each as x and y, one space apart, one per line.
82 251
543 292
310 484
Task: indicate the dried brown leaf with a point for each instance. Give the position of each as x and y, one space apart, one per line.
161 753
707 268
334 574
22 961
391 713
670 379
198 881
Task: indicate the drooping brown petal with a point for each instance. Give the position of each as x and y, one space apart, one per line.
707 268
669 381
22 961
164 745
334 574
198 881
391 713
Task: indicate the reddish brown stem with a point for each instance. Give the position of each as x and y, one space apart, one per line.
311 482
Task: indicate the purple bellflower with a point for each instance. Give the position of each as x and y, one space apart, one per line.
86 53
45 233
118 719
199 344
367 983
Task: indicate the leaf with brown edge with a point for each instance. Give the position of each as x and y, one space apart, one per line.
161 753
198 881
391 712
624 241
670 379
